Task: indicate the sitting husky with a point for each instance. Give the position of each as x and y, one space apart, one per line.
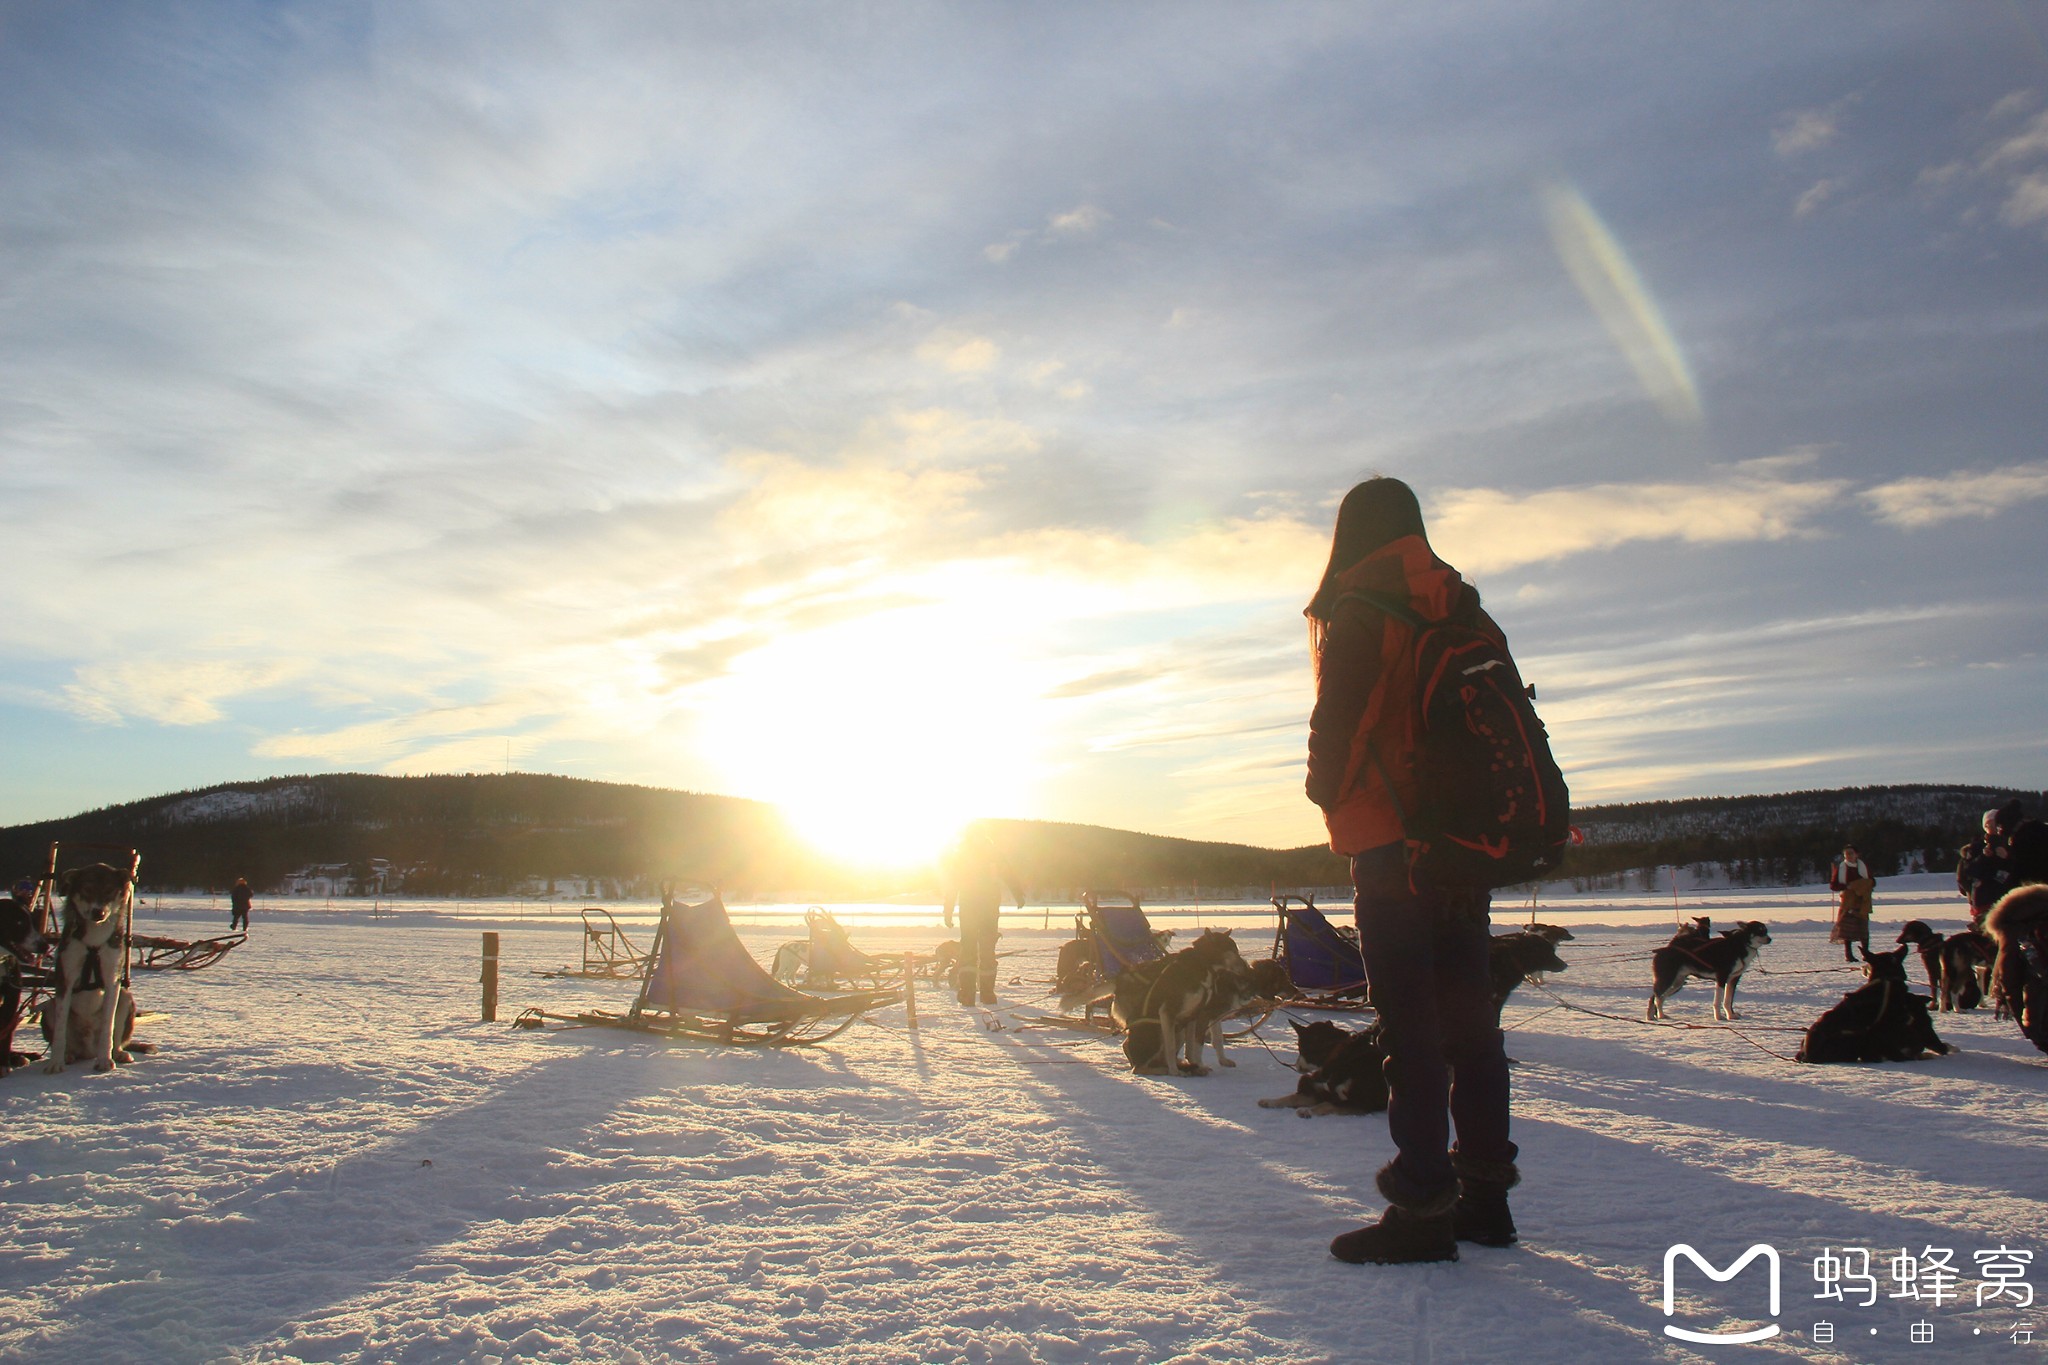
1880 1021
1957 966
1725 959
1342 1072
91 1014
1185 998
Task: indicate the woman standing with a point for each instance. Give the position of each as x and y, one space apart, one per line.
1425 946
1850 879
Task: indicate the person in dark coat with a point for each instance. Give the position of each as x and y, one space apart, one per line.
240 897
1425 947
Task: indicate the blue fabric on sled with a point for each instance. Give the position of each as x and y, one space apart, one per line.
1123 938
1318 957
704 968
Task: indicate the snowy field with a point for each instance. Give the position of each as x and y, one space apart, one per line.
329 1159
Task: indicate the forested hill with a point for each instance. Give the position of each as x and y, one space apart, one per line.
1791 837
487 835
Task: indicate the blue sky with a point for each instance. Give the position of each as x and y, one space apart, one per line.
910 411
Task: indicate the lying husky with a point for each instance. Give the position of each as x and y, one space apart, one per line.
1880 1021
1171 1006
1958 967
20 944
90 1014
1342 1072
1725 959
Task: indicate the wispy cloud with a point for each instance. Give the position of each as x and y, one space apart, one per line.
1809 130
1929 501
1487 530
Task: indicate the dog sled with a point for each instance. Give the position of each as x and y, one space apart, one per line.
701 983
828 958
153 953
1323 964
608 955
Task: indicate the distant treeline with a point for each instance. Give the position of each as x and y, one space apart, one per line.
482 835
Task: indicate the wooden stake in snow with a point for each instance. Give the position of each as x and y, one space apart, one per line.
490 977
910 990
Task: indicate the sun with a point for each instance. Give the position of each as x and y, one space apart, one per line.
881 737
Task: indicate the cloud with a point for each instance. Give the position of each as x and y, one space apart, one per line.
2027 204
1809 130
1483 529
168 690
2029 143
1079 221
1819 193
959 354
1922 501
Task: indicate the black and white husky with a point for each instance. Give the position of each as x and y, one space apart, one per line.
1725 959
1184 1003
91 1013
1342 1072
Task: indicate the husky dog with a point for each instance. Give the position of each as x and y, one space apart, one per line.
1957 967
792 961
1270 980
1342 1072
1880 1021
1725 959
21 943
1186 999
91 1013
1699 931
1513 958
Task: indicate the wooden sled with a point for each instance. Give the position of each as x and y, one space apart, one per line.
608 955
701 983
149 953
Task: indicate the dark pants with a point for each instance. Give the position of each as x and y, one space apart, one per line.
1426 959
976 969
238 918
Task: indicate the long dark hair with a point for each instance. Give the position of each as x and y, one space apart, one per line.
1375 513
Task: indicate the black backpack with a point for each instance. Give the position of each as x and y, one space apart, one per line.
1494 809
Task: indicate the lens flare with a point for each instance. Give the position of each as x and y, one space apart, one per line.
1622 302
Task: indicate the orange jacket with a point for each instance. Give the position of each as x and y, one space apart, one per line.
1362 733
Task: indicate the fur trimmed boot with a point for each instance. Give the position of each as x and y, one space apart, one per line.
1481 1215
1411 1231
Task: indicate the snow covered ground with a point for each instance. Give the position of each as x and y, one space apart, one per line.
329 1159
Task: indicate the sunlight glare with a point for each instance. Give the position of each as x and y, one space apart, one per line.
880 737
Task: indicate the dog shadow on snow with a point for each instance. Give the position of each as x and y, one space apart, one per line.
303 1240
1597 1214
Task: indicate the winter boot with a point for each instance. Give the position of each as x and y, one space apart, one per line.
1412 1230
1481 1214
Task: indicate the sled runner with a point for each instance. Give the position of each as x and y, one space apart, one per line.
700 982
